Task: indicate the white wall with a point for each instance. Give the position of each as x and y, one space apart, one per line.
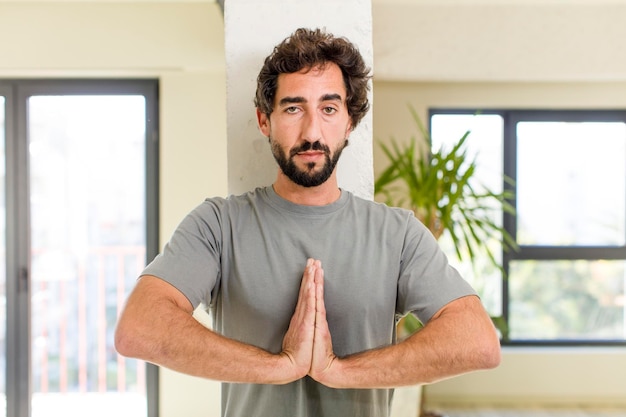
543 376
500 40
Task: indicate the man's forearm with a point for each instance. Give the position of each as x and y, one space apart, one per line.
166 334
207 354
459 339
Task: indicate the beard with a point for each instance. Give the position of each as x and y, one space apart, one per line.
307 177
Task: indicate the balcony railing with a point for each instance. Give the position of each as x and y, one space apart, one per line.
75 303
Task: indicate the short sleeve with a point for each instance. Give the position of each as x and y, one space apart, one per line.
190 260
427 281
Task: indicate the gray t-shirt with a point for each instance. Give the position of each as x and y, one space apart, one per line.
244 257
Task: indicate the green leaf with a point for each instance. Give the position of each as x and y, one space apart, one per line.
438 187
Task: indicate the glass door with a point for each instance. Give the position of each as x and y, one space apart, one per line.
88 245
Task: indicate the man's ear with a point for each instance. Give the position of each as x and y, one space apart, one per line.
348 129
264 122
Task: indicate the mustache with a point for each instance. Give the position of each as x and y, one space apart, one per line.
310 146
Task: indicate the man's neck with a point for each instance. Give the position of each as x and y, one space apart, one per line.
321 195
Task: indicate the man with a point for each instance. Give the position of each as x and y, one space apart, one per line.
304 280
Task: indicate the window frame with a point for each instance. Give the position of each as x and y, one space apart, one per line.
541 252
16 93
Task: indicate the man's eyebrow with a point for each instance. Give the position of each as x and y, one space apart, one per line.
332 97
291 100
298 99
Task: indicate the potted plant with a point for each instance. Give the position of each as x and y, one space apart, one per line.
440 188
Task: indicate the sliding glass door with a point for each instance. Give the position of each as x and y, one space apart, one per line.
87 153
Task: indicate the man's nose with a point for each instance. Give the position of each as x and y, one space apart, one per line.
311 129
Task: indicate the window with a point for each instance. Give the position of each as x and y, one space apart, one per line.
81 177
567 282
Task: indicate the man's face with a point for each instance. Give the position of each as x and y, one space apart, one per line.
310 124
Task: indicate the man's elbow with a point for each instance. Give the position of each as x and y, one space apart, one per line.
489 353
124 341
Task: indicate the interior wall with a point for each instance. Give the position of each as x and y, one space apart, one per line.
553 377
500 40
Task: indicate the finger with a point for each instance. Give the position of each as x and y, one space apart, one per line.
322 332
321 322
320 307
307 281
306 296
298 340
323 355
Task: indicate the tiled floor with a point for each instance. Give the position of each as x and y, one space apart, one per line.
531 412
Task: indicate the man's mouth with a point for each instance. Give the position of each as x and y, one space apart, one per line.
311 155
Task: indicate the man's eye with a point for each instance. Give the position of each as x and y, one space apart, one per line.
329 110
291 110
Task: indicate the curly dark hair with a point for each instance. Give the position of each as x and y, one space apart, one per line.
307 49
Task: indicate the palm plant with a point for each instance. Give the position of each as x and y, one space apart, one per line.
439 187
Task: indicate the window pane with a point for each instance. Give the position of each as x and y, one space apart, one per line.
485 145
87 184
561 300
571 183
3 266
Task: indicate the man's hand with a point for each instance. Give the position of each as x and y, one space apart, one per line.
298 341
308 343
323 355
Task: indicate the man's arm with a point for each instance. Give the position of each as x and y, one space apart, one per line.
459 338
157 326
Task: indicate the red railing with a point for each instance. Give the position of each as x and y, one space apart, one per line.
73 320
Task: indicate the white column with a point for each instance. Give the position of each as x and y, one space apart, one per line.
252 29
